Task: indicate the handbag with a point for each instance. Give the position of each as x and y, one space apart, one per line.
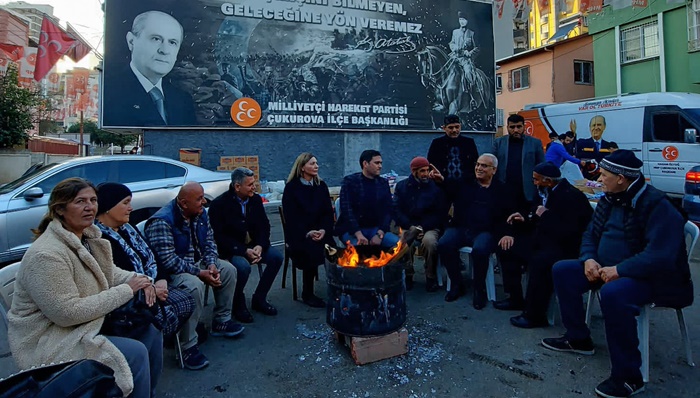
85 378
131 319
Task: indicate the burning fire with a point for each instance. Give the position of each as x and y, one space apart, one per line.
351 258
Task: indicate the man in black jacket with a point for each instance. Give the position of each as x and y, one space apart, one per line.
557 222
453 155
420 203
242 234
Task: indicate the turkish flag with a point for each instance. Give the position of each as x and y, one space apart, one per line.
54 42
12 52
80 48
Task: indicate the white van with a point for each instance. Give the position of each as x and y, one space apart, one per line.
661 128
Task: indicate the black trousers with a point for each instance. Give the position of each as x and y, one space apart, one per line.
540 286
513 263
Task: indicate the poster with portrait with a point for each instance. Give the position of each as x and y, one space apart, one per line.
298 64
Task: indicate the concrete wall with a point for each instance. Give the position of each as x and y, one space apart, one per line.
338 153
13 165
540 90
565 89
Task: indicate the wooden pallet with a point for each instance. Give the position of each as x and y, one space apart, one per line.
371 349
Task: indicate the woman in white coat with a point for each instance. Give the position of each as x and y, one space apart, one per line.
66 285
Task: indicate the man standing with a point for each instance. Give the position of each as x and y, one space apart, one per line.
634 251
480 212
453 156
594 148
365 205
138 95
557 154
242 232
184 247
558 220
420 204
517 156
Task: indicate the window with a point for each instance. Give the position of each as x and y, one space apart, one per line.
694 25
95 173
139 170
520 78
639 42
499 83
669 127
583 72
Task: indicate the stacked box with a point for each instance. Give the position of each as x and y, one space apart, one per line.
191 156
230 163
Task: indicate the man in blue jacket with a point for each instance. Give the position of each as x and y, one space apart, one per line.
634 252
365 205
420 203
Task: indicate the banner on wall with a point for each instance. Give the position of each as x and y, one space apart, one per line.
306 64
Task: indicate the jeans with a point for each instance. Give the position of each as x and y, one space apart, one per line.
272 259
620 301
145 358
482 244
390 240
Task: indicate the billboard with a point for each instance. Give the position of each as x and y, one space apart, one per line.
298 64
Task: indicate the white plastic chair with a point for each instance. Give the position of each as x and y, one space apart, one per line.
691 233
8 274
490 277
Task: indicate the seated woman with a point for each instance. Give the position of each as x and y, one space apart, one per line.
130 252
66 285
309 221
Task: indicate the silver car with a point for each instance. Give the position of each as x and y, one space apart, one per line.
153 180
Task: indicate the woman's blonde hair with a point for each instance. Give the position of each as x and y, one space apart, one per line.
63 193
299 164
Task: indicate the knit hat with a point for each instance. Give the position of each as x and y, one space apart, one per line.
449 119
623 162
460 14
109 194
547 169
419 162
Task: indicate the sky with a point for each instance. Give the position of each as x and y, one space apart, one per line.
87 18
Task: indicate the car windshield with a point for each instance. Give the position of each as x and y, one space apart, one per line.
10 186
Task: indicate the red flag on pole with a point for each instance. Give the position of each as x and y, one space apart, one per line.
54 42
80 48
12 52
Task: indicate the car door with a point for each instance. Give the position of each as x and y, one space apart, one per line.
24 214
153 184
666 153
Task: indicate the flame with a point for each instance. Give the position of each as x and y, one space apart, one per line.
351 258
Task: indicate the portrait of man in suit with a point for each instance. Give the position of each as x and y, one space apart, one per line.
594 148
141 95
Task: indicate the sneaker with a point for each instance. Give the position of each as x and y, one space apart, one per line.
264 307
228 329
583 347
193 359
612 388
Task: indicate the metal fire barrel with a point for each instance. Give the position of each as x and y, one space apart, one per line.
365 301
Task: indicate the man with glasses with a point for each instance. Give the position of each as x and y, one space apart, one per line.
480 212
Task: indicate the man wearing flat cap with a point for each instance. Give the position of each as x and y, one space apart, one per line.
420 204
634 252
454 156
551 232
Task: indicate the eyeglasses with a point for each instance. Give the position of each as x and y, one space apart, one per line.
482 165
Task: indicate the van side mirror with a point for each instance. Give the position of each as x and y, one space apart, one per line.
33 193
691 136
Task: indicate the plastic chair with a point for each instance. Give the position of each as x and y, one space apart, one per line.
286 262
691 233
490 277
8 274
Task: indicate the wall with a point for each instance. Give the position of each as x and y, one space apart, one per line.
13 165
338 153
540 90
14 31
564 87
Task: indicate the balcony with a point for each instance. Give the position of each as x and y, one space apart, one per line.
519 35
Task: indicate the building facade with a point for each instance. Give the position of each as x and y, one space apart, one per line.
650 49
15 28
35 13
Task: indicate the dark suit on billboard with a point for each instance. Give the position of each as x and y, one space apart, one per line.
126 103
586 150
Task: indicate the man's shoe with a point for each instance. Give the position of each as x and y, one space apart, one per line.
409 283
313 301
243 315
193 359
479 299
431 285
510 304
521 321
612 388
264 307
562 344
228 329
455 293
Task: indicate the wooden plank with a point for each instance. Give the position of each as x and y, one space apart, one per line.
371 349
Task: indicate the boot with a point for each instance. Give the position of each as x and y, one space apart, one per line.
307 290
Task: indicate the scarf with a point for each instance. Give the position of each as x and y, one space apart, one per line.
136 248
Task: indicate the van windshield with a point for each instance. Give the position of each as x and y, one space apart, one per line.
29 174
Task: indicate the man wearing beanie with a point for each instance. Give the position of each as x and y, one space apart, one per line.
453 156
634 252
420 203
551 232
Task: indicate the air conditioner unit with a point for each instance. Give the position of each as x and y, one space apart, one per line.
544 18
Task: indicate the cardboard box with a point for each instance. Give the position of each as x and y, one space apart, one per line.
239 159
191 156
251 160
226 160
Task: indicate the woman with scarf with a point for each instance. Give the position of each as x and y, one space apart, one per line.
130 252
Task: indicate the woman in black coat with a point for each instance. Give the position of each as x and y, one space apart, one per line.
308 222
